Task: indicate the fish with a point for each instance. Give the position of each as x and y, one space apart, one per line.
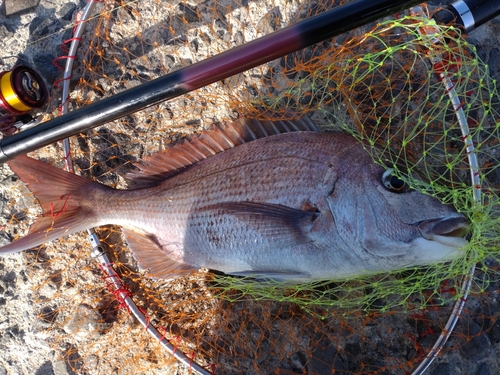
262 199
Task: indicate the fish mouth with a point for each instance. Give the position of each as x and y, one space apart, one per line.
448 231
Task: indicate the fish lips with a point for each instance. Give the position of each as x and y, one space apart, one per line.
447 231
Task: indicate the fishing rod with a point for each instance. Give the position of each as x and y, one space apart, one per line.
257 52
469 14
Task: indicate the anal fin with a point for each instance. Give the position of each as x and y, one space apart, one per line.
162 262
273 275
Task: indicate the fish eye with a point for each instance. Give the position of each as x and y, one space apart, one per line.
392 183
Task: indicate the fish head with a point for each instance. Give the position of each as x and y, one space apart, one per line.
390 226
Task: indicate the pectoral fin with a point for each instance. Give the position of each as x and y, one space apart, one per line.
279 225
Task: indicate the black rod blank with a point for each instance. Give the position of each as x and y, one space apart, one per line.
259 51
470 14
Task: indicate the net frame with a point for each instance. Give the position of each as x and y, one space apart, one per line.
433 37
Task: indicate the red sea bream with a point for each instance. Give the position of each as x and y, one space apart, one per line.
264 199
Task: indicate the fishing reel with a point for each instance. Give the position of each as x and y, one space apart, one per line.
21 90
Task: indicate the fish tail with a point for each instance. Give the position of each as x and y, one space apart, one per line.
60 195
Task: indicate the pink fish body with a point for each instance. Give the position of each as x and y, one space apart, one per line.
290 205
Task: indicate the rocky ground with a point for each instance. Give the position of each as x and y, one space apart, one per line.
26 347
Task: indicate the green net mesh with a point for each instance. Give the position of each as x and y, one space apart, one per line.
401 108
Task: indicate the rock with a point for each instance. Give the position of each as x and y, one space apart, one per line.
47 316
494 62
60 368
5 32
84 323
45 369
15 6
298 362
324 356
189 13
8 281
270 22
43 65
494 333
483 369
66 12
478 347
443 369
38 25
72 361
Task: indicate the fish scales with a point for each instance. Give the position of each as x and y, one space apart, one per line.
291 205
273 172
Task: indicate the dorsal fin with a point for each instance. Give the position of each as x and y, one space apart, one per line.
221 137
